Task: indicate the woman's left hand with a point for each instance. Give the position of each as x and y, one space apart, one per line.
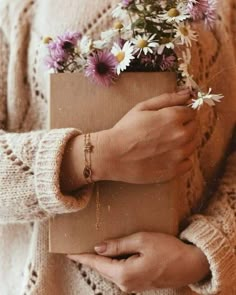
153 260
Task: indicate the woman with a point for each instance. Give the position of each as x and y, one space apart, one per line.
33 165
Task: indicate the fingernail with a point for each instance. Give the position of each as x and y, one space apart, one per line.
101 248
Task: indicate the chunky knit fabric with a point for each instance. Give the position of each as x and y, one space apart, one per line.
30 156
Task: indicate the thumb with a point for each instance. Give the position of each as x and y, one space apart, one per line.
118 247
166 100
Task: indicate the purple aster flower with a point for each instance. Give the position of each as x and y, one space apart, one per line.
61 49
57 55
126 3
203 10
52 63
69 39
101 68
57 51
167 62
210 14
197 8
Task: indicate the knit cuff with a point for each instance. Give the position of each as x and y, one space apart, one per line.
47 178
218 251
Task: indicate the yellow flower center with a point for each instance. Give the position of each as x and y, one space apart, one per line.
184 31
47 40
173 12
165 40
118 25
120 56
142 43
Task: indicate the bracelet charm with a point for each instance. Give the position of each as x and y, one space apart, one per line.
88 149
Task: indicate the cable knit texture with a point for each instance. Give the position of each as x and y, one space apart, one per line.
31 155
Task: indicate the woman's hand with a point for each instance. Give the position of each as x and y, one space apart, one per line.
152 143
155 261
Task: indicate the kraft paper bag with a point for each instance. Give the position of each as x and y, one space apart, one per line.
123 208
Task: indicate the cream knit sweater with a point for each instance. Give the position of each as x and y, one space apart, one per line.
30 156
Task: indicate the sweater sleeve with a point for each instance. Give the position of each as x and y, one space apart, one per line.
30 173
215 234
30 164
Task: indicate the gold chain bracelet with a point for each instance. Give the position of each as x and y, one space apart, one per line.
88 149
88 175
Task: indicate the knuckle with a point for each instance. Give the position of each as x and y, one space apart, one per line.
140 105
174 114
181 154
116 247
141 238
179 134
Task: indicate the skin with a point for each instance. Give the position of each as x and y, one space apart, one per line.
155 261
152 143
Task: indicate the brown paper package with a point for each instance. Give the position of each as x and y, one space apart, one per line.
124 208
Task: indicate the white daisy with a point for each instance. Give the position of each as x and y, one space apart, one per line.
100 44
120 12
123 55
186 60
184 68
208 98
185 35
85 45
144 44
118 31
165 44
190 83
176 14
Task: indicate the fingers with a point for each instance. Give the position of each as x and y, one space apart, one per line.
185 114
181 169
184 167
104 265
165 100
185 134
177 114
127 245
184 153
117 271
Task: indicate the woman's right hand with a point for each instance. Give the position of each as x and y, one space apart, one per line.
153 142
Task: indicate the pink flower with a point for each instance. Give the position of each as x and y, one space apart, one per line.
167 62
210 14
126 3
70 37
203 10
60 49
101 68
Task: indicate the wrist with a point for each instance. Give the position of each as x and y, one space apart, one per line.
199 264
102 155
73 163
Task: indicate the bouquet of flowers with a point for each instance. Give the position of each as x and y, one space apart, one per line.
147 36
